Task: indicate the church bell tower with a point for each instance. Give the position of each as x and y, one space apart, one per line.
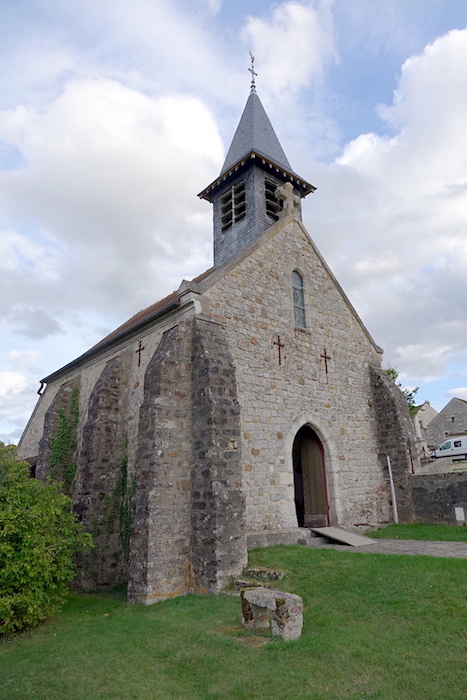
244 195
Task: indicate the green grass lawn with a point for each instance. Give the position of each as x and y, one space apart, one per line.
422 531
375 627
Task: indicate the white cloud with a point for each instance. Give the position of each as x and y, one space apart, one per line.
292 45
213 5
20 253
458 393
111 175
24 359
12 383
33 322
392 214
426 156
17 398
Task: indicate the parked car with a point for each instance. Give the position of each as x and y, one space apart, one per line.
455 446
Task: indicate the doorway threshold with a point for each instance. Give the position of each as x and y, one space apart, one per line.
343 536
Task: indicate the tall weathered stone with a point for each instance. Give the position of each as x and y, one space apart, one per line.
218 504
57 448
396 437
161 530
101 496
188 510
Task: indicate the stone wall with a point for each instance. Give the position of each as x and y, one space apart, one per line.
188 509
200 411
435 495
252 298
161 519
396 439
218 504
102 485
161 430
59 426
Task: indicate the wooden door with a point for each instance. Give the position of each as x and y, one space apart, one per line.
310 480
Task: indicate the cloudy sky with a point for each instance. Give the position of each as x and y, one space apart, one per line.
114 114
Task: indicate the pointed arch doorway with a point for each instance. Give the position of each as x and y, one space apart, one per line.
311 500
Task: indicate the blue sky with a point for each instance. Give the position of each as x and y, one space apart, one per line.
115 114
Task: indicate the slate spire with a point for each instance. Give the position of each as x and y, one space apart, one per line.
243 195
255 134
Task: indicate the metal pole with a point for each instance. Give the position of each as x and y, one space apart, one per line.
393 492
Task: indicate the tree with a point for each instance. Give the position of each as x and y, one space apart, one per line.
39 537
409 394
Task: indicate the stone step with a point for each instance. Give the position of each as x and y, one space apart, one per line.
241 583
262 573
271 538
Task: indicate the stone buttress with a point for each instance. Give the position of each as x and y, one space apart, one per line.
188 509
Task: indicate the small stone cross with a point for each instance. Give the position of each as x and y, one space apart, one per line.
290 200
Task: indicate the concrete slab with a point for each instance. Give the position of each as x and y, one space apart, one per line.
339 535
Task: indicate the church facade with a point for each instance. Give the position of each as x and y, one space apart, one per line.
243 408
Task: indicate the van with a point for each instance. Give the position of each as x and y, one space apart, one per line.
453 447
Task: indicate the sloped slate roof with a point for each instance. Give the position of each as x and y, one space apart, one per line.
256 139
135 323
146 315
255 133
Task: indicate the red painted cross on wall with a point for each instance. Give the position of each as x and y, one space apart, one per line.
279 348
138 352
325 357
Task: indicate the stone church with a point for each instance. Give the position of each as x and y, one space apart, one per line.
242 409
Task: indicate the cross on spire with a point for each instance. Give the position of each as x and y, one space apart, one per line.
252 71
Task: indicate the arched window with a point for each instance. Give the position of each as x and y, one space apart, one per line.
298 300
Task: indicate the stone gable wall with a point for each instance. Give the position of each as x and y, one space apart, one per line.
443 423
254 302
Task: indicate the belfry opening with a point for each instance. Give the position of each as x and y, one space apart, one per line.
310 490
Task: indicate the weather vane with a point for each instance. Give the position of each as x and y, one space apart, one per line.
252 71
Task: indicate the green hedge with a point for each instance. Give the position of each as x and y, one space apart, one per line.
39 537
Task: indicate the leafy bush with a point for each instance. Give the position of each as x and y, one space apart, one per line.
39 536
